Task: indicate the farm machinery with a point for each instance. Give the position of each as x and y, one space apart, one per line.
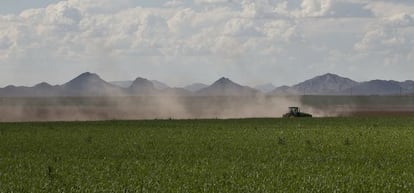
295 112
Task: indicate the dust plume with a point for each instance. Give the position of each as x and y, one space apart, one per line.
142 107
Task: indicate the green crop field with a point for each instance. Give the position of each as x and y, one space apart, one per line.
373 154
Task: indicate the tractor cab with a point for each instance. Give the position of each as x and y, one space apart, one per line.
295 112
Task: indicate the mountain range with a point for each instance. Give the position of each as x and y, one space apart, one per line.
90 84
332 84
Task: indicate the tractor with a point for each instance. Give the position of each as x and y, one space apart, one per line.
295 112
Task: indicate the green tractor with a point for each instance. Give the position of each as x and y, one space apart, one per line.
295 112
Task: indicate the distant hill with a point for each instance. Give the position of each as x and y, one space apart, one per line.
407 86
86 84
125 84
44 89
332 84
328 84
11 91
89 84
195 87
376 87
226 87
142 86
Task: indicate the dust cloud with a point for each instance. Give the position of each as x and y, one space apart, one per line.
142 107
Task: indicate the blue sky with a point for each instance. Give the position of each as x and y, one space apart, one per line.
184 41
16 6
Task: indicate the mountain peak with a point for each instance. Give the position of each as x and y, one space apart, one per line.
329 76
88 74
140 80
142 84
43 85
86 77
224 81
325 84
226 87
10 86
87 82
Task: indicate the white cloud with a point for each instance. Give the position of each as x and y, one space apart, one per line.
101 6
173 3
220 34
389 35
400 20
282 30
316 7
390 8
332 9
211 1
181 22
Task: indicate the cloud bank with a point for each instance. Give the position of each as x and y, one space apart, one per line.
252 41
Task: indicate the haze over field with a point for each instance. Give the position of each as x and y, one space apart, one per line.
89 97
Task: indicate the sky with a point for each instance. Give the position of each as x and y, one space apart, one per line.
185 41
